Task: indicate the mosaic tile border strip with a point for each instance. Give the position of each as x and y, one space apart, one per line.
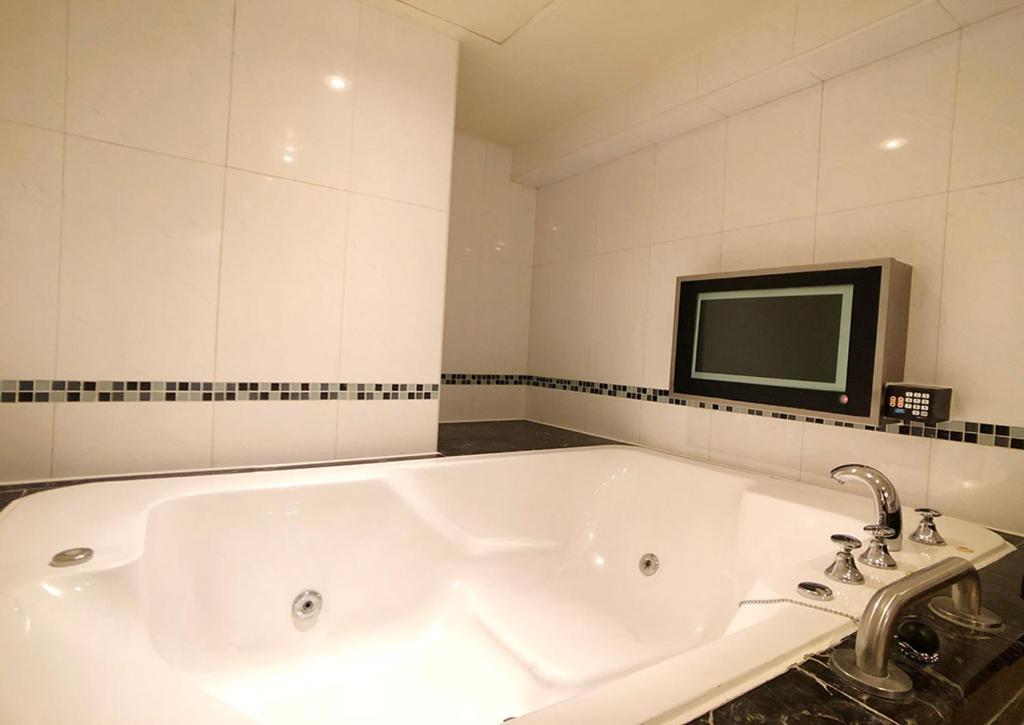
986 434
145 391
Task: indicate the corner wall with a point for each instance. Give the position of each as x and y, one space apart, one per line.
490 271
223 233
800 180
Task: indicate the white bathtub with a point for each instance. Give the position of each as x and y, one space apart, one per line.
463 590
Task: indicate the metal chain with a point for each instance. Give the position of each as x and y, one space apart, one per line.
784 600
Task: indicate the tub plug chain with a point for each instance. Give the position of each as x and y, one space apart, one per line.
781 600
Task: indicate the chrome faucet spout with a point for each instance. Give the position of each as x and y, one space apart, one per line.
887 501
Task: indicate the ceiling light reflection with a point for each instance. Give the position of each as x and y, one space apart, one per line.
336 83
892 144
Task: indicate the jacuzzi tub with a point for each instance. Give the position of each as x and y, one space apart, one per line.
454 591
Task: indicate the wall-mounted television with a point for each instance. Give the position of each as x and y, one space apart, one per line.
814 340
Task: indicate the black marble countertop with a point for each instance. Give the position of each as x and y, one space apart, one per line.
978 680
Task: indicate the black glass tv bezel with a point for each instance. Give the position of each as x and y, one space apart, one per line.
858 401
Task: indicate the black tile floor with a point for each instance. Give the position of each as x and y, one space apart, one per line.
503 436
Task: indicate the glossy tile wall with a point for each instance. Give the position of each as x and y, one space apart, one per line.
490 258
917 156
214 190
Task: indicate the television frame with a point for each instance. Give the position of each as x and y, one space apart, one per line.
886 359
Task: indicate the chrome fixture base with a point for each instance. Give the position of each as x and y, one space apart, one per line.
926 533
877 554
867 664
893 685
71 557
307 605
983 621
815 590
844 568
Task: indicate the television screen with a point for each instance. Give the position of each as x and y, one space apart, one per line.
795 337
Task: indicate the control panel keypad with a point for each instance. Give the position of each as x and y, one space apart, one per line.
921 403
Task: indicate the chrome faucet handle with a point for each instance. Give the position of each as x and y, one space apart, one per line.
844 568
926 533
877 554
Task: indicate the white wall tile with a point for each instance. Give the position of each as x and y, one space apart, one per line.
461 316
252 433
594 125
819 21
30 199
562 408
371 429
916 24
541 322
613 417
764 87
503 328
534 400
25 438
983 303
699 255
499 402
404 73
101 438
32 55
756 443
568 302
971 11
682 119
625 198
907 97
286 240
902 458
912 231
469 158
689 184
761 44
987 142
138 289
566 223
676 428
508 212
617 316
978 483
394 292
286 118
772 161
780 244
456 403
154 74
670 89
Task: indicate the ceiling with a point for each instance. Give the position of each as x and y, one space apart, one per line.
527 66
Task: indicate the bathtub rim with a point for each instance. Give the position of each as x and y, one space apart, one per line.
675 703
